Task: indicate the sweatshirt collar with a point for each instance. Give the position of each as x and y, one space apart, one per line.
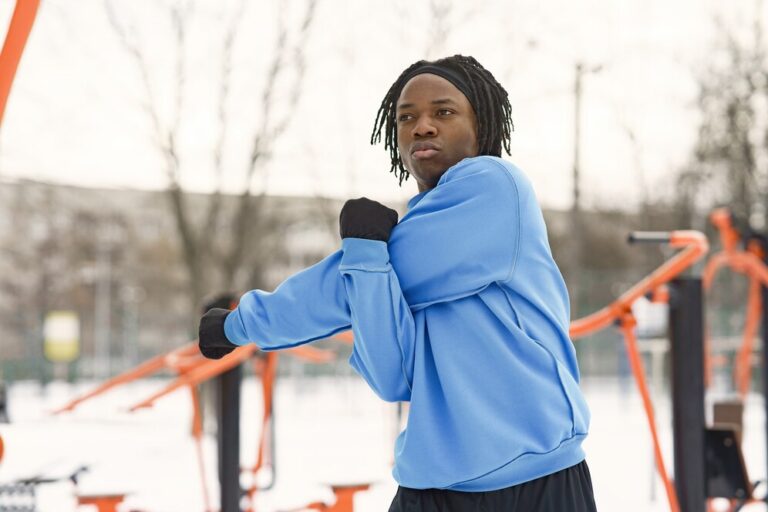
415 199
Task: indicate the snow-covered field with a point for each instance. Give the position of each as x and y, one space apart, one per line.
328 430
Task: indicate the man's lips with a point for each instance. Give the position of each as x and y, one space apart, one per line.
424 153
424 150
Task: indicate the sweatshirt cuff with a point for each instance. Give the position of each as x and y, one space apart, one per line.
364 254
234 329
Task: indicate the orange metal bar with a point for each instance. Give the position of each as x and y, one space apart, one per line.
2 449
344 495
267 381
197 435
267 368
729 237
694 245
743 364
709 361
104 503
628 324
192 369
155 364
205 370
16 38
184 360
750 263
746 262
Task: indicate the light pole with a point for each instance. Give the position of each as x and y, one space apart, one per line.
576 215
580 71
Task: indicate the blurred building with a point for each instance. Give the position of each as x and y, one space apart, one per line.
113 257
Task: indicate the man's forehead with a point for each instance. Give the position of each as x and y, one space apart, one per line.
429 87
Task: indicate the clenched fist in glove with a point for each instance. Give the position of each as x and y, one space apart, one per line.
364 218
212 341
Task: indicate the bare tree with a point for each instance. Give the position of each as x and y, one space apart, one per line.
215 257
729 163
444 18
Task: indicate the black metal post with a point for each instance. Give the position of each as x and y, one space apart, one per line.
3 403
688 417
229 438
228 420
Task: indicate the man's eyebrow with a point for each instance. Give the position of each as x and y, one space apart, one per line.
439 101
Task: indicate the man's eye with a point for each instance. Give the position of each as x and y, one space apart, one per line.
444 112
404 117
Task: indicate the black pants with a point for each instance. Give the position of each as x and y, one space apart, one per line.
569 490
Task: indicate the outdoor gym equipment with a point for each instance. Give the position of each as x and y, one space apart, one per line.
743 257
20 26
192 369
15 39
693 247
743 252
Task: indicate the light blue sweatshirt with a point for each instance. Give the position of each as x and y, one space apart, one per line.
465 314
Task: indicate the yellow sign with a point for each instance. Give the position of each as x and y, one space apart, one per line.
62 336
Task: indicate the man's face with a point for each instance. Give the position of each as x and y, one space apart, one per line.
436 128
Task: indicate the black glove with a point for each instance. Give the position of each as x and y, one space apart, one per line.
364 218
212 341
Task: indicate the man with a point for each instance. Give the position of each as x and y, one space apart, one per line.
458 309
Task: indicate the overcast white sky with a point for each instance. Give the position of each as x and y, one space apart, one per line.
75 116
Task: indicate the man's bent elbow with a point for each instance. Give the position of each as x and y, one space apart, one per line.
395 393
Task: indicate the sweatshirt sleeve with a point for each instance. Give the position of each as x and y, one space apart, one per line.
309 305
382 322
461 236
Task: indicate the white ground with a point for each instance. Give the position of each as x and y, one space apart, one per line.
327 431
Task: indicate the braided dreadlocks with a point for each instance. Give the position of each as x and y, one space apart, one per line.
487 96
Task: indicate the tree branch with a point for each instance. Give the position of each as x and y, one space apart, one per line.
249 206
214 206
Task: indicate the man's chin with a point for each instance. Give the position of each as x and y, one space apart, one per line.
431 172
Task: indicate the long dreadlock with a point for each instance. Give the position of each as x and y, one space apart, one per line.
487 96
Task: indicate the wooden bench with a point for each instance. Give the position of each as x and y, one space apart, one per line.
103 502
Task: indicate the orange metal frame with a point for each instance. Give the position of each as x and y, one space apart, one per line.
103 503
16 38
22 20
749 262
186 361
694 246
344 494
192 369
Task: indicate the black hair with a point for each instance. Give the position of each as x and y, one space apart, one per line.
487 96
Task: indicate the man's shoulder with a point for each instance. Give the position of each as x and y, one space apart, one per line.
487 168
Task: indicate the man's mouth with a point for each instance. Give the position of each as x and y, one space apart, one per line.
423 150
424 153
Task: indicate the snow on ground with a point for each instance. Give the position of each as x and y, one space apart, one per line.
328 430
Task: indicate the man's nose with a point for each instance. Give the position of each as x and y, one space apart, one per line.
424 127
